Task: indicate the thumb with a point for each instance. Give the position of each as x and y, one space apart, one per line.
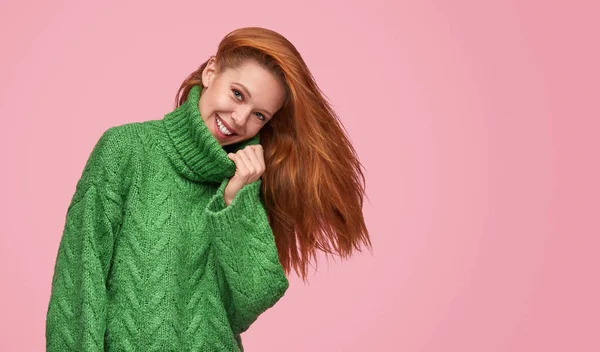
231 156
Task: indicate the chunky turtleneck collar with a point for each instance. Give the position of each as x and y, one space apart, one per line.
194 151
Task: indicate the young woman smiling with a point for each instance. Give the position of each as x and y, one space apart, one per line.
183 230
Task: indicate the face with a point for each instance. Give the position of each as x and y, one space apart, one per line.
236 103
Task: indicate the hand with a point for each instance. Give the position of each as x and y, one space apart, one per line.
249 166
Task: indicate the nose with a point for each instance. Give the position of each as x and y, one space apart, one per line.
240 116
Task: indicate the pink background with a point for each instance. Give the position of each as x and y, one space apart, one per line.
477 124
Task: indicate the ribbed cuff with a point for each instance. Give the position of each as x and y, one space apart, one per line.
243 207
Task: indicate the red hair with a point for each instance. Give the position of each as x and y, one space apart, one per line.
313 185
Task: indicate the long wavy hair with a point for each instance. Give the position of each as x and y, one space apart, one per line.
313 185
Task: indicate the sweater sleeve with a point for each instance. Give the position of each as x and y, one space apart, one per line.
246 254
77 309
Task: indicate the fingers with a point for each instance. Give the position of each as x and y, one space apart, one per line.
249 162
246 166
260 155
255 160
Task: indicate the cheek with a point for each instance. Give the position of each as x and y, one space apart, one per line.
216 102
223 103
208 105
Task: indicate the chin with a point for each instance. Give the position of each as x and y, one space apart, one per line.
228 142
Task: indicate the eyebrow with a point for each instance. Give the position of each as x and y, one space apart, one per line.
250 95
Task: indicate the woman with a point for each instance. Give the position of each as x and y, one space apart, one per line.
182 230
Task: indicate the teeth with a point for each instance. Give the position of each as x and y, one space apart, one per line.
223 128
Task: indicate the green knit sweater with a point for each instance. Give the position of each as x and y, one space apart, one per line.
151 257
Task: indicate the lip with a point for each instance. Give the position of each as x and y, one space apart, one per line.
226 126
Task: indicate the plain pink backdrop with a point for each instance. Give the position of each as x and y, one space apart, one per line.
477 125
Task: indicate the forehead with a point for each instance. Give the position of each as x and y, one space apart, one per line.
264 88
249 72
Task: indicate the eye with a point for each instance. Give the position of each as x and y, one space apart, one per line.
238 92
261 116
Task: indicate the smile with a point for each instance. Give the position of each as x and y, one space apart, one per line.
222 127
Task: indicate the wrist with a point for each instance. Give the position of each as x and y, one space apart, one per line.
232 188
227 200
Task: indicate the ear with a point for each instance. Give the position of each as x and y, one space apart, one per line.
209 72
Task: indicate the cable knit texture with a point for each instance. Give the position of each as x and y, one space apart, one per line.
151 258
